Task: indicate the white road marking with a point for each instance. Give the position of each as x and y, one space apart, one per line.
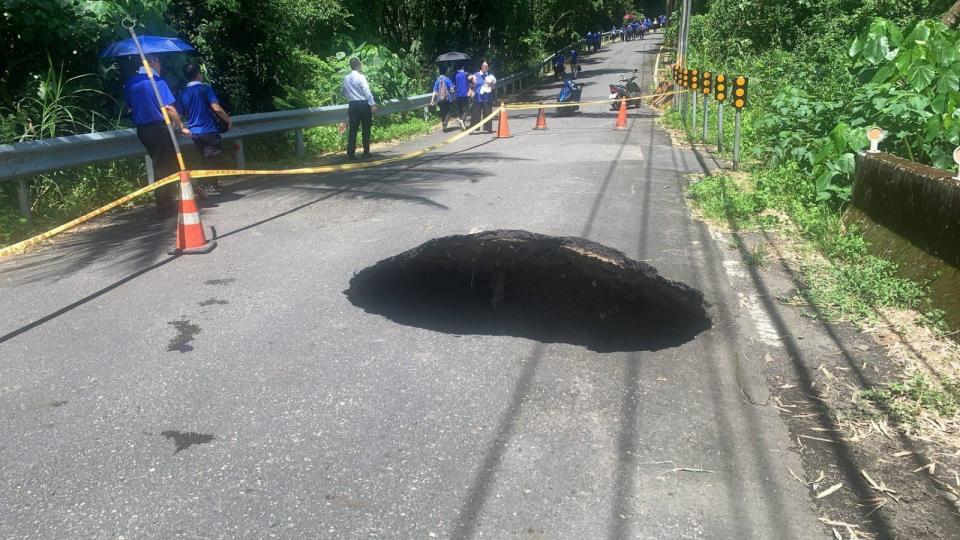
761 320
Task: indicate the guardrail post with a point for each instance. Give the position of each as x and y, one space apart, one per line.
299 133
148 161
23 192
238 156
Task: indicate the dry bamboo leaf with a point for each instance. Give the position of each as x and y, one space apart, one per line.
833 523
829 491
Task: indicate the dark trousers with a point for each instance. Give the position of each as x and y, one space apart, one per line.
359 113
482 109
444 112
463 107
156 139
210 147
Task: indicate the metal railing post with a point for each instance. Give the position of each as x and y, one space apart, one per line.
238 155
299 133
693 115
148 161
736 140
706 118
23 195
720 127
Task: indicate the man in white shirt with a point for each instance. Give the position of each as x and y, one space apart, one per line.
360 109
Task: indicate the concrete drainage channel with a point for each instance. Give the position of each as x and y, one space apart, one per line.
545 288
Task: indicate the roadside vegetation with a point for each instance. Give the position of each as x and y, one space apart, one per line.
260 56
820 74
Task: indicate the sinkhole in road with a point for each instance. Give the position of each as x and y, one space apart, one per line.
545 288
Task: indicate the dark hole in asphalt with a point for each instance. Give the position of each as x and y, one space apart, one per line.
186 330
549 289
226 281
185 440
212 302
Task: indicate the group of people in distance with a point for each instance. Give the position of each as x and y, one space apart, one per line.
560 63
470 93
638 28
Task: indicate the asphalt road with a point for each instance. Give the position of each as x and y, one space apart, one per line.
240 393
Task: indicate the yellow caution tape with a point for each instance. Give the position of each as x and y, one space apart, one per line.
20 246
523 106
326 169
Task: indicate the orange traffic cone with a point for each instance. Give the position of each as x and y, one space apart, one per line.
541 119
503 128
622 115
190 236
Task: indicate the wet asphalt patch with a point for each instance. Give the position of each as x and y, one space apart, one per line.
183 440
186 331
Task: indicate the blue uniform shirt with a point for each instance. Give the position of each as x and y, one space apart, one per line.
139 97
479 77
195 102
462 84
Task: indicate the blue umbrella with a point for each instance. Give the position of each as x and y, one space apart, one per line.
150 44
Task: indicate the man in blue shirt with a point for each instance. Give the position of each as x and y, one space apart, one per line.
152 130
200 106
462 87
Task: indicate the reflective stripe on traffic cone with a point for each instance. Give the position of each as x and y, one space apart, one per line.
622 115
503 128
541 119
190 236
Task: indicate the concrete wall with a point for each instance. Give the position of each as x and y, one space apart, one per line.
910 213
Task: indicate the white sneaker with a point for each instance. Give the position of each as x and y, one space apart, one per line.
462 126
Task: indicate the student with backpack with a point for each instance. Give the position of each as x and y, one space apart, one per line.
443 96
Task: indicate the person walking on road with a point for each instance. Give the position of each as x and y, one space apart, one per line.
485 86
360 109
443 97
152 130
461 85
559 61
201 108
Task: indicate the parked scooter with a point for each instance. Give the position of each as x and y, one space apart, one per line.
628 88
569 93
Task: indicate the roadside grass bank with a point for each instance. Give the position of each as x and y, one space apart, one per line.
64 195
844 282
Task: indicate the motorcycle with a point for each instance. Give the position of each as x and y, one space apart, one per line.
569 93
628 88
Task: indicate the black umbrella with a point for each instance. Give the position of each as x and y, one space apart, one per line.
452 57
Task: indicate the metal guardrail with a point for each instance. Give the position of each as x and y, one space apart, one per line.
20 161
